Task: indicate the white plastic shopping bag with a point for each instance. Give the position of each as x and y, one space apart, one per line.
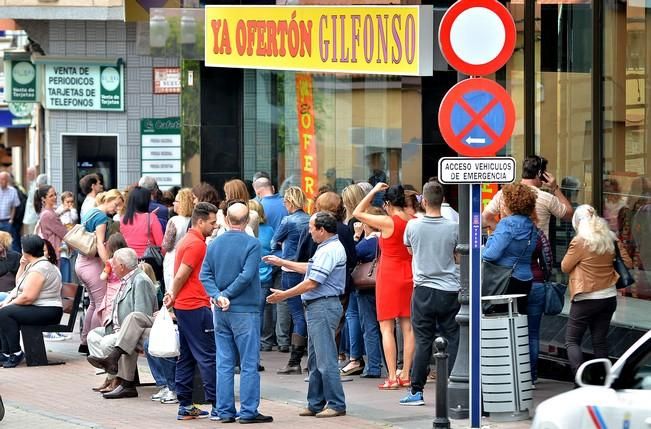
163 338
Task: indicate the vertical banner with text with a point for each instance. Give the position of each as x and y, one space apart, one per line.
306 137
21 81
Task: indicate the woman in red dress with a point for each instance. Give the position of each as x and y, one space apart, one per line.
394 281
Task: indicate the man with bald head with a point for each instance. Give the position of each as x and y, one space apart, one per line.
274 207
9 201
230 276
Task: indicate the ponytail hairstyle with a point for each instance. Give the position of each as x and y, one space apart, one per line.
593 230
41 192
107 197
395 196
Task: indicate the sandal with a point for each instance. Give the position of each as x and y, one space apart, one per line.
404 382
353 367
389 385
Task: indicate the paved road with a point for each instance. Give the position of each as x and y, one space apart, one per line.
60 397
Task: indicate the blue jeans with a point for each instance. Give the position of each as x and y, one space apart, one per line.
264 293
3 296
237 334
535 308
356 339
162 369
371 332
294 303
64 267
325 387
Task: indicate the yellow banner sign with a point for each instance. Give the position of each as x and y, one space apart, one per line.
394 40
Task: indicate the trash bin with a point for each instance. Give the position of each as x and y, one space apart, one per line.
505 367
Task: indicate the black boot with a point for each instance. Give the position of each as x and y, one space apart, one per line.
294 364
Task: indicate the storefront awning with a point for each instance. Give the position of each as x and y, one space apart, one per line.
97 61
8 120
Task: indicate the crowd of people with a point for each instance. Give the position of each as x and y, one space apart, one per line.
255 271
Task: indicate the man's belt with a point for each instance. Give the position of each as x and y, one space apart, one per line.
307 302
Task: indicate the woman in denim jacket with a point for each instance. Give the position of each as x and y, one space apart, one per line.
287 235
514 241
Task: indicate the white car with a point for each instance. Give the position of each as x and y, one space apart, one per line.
610 396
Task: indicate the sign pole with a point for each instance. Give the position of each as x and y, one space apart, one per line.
475 306
476 119
458 390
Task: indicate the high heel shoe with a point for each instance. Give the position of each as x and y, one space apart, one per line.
389 385
104 385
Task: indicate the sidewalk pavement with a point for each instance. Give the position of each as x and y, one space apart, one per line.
60 396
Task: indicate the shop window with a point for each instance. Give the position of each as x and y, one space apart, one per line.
322 131
627 143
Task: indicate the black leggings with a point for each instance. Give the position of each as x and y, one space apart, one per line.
13 316
593 314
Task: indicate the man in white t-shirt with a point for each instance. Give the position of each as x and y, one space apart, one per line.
534 173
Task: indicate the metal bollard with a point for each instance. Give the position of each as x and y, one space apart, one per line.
441 420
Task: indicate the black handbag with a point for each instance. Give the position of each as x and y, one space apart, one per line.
495 278
625 277
153 254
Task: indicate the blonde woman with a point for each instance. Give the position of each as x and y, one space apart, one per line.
593 295
176 228
351 196
89 268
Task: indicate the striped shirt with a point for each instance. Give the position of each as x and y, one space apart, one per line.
8 200
328 268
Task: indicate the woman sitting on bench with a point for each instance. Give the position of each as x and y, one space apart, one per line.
36 300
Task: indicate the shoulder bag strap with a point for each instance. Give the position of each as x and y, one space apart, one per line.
618 254
27 272
148 229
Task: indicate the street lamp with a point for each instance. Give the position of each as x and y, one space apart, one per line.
159 31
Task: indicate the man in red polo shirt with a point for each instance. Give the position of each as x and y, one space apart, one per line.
193 315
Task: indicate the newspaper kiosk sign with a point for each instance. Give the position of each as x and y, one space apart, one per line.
477 170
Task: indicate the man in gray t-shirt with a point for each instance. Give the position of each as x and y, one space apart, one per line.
432 241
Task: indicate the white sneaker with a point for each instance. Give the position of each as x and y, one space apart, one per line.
158 395
169 398
52 336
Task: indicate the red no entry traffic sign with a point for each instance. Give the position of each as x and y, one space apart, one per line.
476 117
477 37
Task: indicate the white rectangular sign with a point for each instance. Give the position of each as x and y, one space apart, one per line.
160 140
166 180
161 166
157 153
477 170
